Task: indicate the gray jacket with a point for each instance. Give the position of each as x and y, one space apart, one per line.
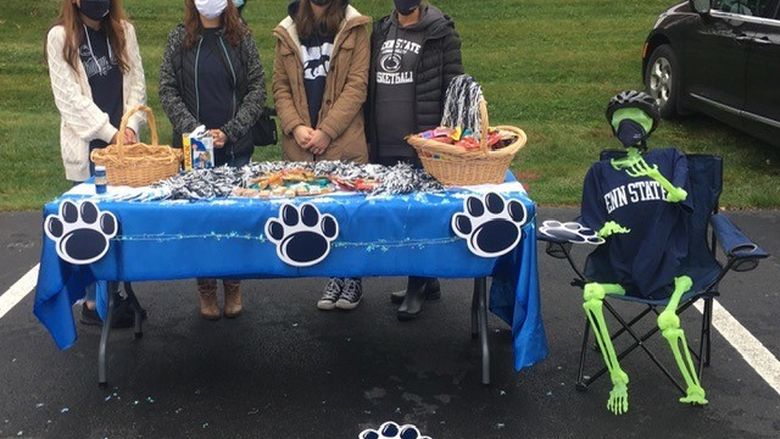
178 90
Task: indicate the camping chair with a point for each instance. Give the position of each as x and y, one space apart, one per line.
707 228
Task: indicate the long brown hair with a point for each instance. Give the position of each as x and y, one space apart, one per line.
235 29
307 24
70 19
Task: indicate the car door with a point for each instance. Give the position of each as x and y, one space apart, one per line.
716 60
762 103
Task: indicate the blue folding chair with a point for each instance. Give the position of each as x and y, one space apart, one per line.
707 228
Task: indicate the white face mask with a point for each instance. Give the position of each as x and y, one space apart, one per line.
211 9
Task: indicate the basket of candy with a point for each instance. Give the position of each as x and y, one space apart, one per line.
138 164
466 150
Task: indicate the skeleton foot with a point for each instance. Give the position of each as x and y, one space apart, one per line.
618 396
695 396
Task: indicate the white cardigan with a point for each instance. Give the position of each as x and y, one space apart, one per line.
82 120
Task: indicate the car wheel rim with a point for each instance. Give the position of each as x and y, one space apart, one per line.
661 81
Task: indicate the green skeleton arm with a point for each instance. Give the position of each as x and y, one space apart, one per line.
636 166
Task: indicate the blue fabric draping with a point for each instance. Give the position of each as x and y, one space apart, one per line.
378 236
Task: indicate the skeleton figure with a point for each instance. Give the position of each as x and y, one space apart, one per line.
638 204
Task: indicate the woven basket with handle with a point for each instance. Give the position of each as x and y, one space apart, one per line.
138 164
456 166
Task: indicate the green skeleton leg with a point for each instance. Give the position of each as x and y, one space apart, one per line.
669 323
594 297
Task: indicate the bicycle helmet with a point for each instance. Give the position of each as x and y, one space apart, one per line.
633 116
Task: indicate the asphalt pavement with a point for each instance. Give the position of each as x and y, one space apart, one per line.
283 369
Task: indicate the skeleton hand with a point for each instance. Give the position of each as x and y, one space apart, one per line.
676 195
610 228
641 169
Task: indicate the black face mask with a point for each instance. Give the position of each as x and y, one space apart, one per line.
406 7
95 9
320 2
630 133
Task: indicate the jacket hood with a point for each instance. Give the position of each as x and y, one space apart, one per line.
433 22
352 19
292 8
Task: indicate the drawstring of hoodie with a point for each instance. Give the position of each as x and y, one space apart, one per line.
92 52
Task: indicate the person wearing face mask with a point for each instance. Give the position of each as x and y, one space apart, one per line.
96 76
319 86
415 54
211 75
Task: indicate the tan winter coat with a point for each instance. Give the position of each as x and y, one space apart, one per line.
82 120
341 115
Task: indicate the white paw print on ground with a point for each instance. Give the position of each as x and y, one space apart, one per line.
491 226
391 430
571 231
81 232
302 235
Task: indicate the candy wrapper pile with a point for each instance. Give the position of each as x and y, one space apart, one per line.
466 139
293 179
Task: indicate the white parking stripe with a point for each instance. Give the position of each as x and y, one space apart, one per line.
19 290
755 354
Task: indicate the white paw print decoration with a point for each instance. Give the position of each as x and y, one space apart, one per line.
391 430
80 231
302 235
490 225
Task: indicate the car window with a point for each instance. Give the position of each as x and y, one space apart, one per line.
753 8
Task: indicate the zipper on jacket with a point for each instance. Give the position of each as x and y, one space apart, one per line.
197 90
235 86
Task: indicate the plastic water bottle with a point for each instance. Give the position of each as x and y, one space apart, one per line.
100 179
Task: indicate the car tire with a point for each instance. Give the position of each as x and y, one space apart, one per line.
662 80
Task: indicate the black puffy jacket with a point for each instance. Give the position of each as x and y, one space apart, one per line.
439 62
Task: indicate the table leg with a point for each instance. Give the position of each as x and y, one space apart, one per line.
104 334
481 286
136 307
474 309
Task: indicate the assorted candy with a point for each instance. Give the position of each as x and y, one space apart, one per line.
294 179
497 139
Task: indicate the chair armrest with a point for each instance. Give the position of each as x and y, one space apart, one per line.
735 244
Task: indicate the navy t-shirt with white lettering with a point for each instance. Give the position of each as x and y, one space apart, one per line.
646 260
316 50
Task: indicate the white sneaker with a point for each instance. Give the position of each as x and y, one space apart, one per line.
331 294
351 294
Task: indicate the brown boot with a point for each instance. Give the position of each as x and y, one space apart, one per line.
232 297
209 309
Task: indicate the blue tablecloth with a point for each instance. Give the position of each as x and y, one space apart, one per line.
378 236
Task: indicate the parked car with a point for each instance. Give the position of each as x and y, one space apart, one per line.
720 58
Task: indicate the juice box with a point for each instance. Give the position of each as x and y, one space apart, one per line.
186 152
202 148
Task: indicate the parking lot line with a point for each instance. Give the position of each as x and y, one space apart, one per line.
18 290
756 355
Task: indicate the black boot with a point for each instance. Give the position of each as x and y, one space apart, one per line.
418 289
432 291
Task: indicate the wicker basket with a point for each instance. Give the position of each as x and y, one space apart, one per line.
138 164
455 166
